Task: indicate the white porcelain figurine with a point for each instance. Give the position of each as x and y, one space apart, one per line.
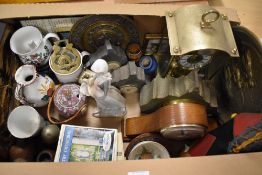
110 102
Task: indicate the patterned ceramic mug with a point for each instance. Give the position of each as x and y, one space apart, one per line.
30 45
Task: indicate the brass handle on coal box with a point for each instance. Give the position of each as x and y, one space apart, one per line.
206 23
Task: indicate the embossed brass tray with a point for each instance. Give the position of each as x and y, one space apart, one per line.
91 31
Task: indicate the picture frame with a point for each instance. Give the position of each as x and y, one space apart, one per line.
155 44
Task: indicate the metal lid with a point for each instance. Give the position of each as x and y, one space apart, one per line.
181 132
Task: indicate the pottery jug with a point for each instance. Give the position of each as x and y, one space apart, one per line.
32 88
30 45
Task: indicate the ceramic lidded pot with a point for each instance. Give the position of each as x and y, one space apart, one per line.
68 100
32 88
66 62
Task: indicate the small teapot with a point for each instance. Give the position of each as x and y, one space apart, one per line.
32 88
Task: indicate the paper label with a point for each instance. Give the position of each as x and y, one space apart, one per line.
139 173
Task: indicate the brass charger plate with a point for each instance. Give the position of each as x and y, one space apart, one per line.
91 31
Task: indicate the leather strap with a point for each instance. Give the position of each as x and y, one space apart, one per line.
182 113
55 121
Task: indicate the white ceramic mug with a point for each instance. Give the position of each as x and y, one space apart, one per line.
30 45
24 122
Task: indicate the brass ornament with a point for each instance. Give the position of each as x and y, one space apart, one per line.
65 60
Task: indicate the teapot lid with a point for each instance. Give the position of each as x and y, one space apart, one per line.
68 95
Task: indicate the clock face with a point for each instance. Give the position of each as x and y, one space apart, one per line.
194 61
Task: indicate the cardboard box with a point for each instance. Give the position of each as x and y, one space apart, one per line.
152 13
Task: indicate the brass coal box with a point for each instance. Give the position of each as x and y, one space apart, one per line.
196 34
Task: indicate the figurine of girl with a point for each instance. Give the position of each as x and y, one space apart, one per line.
97 84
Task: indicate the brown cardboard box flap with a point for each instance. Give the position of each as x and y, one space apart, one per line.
240 164
112 1
82 8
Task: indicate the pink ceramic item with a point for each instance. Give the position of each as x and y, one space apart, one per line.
67 100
